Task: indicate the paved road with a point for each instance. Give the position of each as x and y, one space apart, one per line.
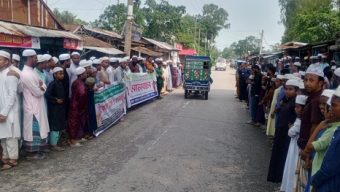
173 145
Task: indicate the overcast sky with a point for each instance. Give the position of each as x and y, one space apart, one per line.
247 17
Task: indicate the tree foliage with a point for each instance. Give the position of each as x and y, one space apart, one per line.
165 22
246 46
67 17
310 20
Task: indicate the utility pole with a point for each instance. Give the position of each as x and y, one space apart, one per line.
199 39
195 34
128 29
261 44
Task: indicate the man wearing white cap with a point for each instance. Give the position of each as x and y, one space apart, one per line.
15 60
65 63
134 66
56 105
103 74
75 60
296 67
289 175
36 127
9 113
123 70
78 115
41 66
111 69
311 117
50 65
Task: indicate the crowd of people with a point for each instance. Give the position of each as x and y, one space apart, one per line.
50 96
297 103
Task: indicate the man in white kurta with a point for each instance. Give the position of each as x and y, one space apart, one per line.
9 112
35 126
75 60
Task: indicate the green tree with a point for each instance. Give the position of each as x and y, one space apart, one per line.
162 20
114 17
246 46
67 17
309 20
228 53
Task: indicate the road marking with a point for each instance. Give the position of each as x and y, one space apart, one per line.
185 104
156 141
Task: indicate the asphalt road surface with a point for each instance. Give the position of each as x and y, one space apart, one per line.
169 145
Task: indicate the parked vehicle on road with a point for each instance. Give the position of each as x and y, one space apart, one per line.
221 66
197 80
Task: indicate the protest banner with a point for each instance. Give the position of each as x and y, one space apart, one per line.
140 87
110 104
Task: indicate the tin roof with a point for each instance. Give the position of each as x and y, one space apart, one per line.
103 32
160 44
26 30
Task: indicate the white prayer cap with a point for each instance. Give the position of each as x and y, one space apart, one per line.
47 57
141 59
297 58
159 59
5 54
92 58
313 57
134 57
85 63
104 59
64 57
298 75
301 99
316 70
96 62
328 93
289 57
302 73
337 72
75 53
57 69
55 59
113 60
298 64
264 73
333 67
80 70
16 57
289 76
281 77
28 53
251 77
40 58
293 82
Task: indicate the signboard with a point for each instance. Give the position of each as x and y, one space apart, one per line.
110 104
73 44
140 88
18 41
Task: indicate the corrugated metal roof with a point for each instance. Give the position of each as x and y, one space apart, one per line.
26 30
103 32
159 44
147 51
110 51
93 42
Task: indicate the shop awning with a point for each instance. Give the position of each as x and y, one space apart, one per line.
188 52
106 50
25 36
147 51
26 30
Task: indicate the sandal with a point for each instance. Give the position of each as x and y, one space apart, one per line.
5 167
12 163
